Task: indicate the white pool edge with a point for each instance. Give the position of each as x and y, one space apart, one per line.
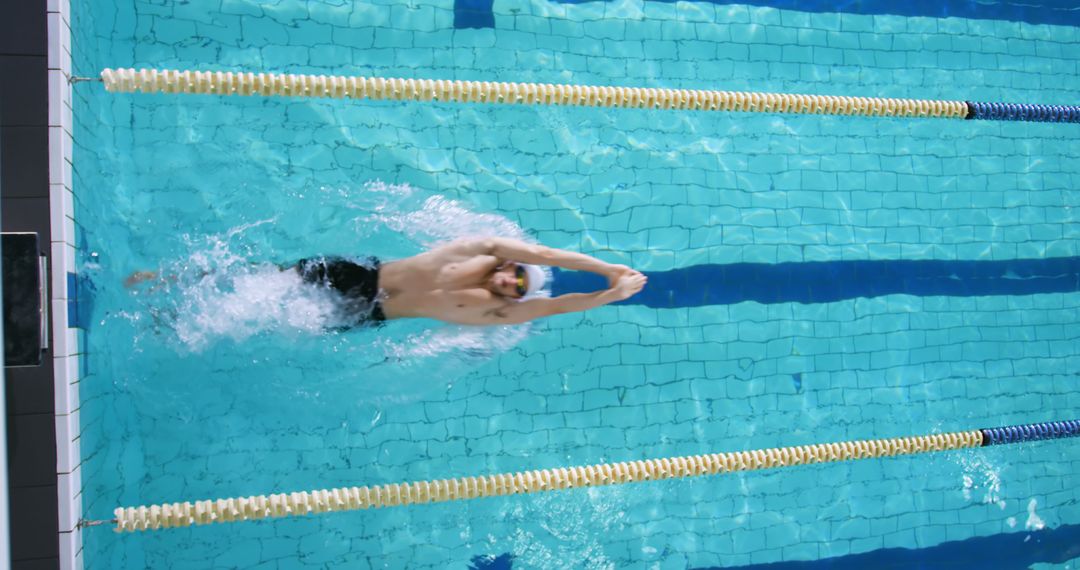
66 350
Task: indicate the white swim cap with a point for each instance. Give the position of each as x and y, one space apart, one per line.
536 279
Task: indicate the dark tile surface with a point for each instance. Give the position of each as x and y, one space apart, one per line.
22 306
26 215
29 390
24 102
24 162
32 450
34 531
24 174
23 27
38 564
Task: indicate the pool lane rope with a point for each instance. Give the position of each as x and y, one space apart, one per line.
175 515
378 88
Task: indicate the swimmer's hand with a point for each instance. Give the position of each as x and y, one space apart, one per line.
615 272
139 277
629 284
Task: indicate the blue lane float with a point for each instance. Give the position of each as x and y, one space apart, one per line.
1023 112
1030 432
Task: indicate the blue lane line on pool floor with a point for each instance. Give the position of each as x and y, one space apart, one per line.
478 13
473 14
1007 551
828 281
503 561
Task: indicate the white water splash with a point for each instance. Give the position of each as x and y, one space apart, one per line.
217 293
1034 522
982 476
248 301
400 213
551 530
480 342
441 220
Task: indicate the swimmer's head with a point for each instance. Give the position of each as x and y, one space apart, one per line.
517 280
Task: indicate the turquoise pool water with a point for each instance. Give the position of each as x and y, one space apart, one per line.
208 385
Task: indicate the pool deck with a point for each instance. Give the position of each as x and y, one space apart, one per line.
35 165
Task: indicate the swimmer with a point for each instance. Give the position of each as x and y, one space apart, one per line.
494 281
488 281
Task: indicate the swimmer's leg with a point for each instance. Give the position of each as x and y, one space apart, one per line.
139 277
144 276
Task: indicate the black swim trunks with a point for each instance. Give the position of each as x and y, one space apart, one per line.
356 280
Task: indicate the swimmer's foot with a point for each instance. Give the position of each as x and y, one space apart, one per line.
139 277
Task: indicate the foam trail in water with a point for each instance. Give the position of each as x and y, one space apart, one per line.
550 529
980 473
475 342
248 301
216 292
1034 521
429 220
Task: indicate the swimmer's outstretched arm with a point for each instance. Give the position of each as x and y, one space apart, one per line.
514 312
514 250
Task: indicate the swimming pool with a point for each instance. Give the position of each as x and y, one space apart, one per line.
206 388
